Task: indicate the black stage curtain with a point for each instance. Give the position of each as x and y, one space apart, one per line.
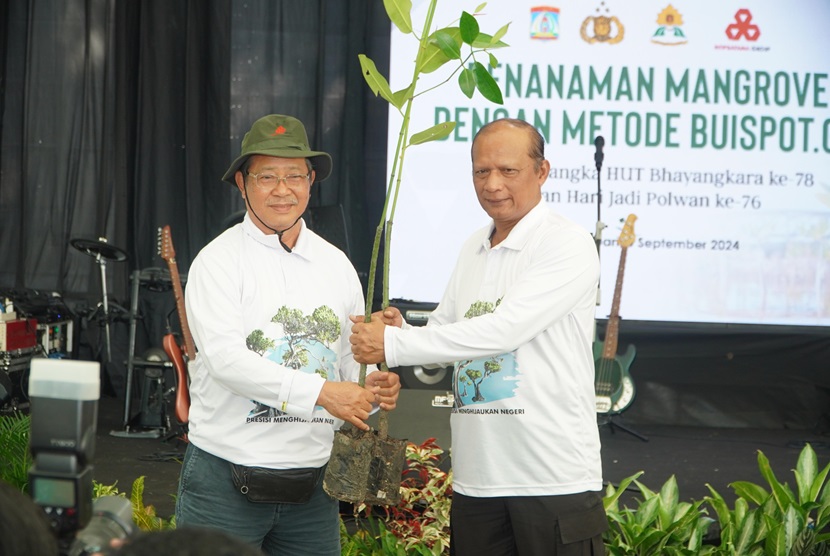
119 117
114 123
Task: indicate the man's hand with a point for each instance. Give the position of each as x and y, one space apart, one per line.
348 401
391 316
386 386
367 338
367 341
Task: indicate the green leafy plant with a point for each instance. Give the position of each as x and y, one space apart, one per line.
436 49
440 48
372 539
777 521
661 524
15 459
145 516
423 516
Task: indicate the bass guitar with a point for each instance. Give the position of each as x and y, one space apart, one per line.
169 343
613 385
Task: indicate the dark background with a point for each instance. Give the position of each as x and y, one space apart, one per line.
118 117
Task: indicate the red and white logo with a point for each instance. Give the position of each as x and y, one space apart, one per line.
743 27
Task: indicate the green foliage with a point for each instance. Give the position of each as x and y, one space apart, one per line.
454 48
661 524
99 490
15 459
777 520
145 517
765 520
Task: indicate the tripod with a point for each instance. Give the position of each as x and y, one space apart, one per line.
613 425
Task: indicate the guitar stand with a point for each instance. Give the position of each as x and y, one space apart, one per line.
613 425
156 424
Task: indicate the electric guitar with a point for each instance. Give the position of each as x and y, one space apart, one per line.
613 384
171 347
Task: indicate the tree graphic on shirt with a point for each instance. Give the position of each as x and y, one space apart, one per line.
469 376
258 342
301 332
321 326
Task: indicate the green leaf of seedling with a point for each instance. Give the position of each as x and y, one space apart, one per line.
469 28
493 61
374 79
434 133
486 85
486 41
399 12
448 44
467 82
480 7
399 98
432 57
499 34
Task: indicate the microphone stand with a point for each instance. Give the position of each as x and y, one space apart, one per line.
607 419
599 142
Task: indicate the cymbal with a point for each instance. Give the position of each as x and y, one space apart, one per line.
93 248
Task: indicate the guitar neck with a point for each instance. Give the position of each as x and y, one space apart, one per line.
190 347
609 350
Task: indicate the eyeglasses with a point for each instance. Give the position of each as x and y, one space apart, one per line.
270 181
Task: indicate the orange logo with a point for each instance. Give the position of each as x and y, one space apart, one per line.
279 131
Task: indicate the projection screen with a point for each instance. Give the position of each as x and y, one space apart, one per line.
716 130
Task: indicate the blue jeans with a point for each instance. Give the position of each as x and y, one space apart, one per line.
208 498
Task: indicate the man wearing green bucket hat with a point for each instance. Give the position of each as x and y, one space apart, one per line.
268 303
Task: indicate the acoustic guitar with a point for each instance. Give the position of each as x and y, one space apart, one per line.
169 343
613 385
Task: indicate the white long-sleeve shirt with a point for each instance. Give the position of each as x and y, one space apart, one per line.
524 421
269 326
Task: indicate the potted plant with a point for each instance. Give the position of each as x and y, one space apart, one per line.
365 466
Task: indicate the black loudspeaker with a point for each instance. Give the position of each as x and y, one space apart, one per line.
416 376
420 414
153 411
151 414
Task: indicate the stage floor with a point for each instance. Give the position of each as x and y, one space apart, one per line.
694 455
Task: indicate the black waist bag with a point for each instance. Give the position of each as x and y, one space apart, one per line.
276 486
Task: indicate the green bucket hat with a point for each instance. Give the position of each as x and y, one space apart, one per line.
282 136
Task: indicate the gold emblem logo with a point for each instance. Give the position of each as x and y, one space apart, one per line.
603 29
